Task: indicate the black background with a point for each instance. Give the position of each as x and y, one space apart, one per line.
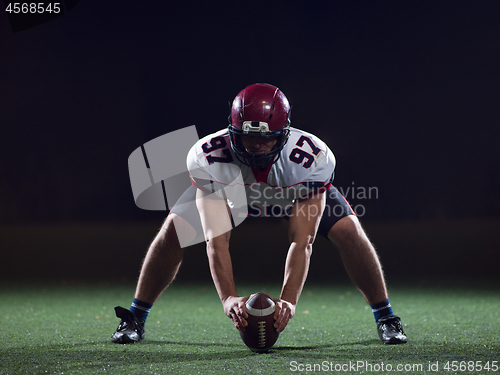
406 94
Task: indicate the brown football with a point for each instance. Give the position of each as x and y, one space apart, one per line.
260 334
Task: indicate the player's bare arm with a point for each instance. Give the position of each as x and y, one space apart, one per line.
215 218
303 225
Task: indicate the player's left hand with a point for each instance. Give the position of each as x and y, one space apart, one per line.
283 313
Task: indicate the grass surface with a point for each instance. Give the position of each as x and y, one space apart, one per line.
56 329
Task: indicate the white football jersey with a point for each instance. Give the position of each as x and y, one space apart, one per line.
305 166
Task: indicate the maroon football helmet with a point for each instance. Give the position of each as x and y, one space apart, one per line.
259 110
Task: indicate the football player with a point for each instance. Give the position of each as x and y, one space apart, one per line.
260 166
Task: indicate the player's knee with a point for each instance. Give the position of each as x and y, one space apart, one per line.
346 230
178 229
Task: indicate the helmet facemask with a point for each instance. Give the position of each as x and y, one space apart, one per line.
257 129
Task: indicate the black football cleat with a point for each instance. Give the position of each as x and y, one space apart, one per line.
391 331
130 330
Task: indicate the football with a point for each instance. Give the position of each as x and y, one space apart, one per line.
260 334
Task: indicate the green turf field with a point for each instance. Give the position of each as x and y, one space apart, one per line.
66 329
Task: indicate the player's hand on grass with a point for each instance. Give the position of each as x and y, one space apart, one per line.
234 308
283 313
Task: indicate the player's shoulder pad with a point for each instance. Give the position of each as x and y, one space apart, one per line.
302 144
212 144
211 160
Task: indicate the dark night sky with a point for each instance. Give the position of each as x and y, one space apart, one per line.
405 94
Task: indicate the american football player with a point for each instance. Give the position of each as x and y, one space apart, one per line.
284 172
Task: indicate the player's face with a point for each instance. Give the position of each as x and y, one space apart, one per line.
258 145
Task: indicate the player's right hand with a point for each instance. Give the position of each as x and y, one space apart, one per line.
234 308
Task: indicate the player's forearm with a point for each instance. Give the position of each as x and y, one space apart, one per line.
221 268
303 225
296 269
215 218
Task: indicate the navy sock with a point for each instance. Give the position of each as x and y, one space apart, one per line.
141 309
382 309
